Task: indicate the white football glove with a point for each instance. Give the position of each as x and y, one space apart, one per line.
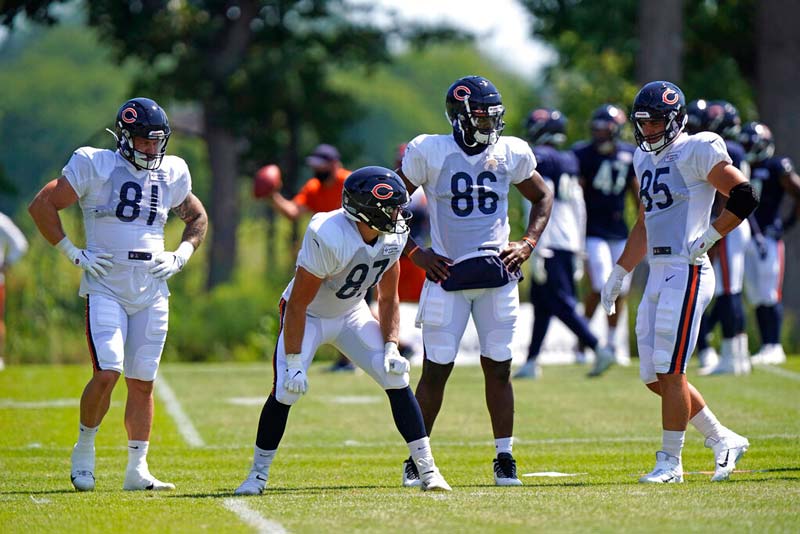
701 245
170 263
94 263
393 362
296 379
611 289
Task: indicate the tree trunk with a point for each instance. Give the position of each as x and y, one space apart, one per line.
660 27
224 210
778 79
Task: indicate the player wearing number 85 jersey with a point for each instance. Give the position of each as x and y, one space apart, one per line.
472 268
125 196
679 175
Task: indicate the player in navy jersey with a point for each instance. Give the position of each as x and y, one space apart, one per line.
773 178
553 286
728 255
606 173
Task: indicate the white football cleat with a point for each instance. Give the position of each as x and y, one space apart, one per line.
410 474
430 477
82 472
668 470
141 479
707 360
727 451
772 354
603 359
505 470
254 484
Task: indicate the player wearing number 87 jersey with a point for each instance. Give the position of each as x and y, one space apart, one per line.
344 253
679 175
125 196
472 268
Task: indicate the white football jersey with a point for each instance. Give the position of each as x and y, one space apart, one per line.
13 244
125 209
467 195
675 191
334 251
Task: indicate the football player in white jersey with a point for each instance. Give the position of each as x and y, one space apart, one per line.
346 252
13 246
125 196
472 268
679 175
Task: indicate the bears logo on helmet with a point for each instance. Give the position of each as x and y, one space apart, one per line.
377 197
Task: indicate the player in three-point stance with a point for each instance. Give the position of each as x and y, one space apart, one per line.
125 197
345 252
679 175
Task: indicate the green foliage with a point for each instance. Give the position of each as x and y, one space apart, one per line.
59 91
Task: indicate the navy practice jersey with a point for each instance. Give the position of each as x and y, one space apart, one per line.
766 179
564 230
738 157
606 177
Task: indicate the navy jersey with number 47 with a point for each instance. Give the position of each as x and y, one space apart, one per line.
606 178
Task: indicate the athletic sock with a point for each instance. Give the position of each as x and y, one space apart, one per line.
503 445
262 459
707 424
420 448
672 442
137 454
612 336
86 436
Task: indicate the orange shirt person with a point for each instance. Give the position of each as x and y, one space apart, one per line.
323 192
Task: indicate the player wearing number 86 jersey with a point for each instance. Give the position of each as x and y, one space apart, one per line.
125 197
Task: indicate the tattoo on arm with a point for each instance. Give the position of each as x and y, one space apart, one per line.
192 212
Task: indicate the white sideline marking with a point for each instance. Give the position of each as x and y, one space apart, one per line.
778 371
253 518
175 410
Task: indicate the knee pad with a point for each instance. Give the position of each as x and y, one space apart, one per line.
285 397
440 347
498 344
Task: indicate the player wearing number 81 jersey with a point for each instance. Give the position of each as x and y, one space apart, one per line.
125 196
679 175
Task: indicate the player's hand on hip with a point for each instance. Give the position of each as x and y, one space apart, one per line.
393 362
436 267
515 254
702 244
170 263
94 263
611 289
296 379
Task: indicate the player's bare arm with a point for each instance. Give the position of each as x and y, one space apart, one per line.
193 214
389 304
636 246
541 198
436 266
305 288
56 195
730 181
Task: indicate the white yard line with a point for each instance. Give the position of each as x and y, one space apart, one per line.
247 515
778 371
175 410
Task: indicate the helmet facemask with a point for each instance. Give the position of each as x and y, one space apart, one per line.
142 160
387 218
656 142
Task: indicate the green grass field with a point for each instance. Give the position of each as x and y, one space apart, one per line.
339 465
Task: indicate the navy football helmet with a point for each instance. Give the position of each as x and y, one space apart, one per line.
723 119
546 126
475 110
756 138
697 116
142 117
377 197
658 101
606 126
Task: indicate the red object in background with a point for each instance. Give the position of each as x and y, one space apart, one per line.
266 181
411 280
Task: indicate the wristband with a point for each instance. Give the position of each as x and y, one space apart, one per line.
412 251
185 250
530 242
